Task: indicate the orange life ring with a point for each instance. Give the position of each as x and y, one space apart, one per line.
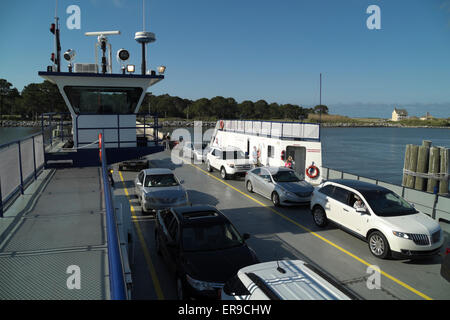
221 124
312 171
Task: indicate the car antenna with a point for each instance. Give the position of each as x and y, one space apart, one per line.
280 269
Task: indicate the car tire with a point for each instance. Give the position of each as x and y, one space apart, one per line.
319 216
275 199
208 167
249 186
223 173
180 289
378 245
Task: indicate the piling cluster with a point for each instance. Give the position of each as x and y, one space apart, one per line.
426 168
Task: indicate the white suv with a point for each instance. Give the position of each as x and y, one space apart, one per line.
390 225
284 280
229 161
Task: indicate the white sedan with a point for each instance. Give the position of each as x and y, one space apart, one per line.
390 225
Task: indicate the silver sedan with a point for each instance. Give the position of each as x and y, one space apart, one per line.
281 185
158 189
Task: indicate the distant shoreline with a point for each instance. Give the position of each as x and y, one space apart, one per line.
190 123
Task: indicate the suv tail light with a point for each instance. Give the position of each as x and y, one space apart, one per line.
447 251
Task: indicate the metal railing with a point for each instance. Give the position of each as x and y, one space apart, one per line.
116 273
55 128
21 162
272 129
434 205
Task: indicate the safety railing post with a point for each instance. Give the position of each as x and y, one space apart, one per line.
20 169
34 159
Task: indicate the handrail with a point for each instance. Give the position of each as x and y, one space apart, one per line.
116 275
24 177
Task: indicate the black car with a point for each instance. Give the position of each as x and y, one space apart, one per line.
202 248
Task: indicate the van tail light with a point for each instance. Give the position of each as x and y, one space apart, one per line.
447 251
283 154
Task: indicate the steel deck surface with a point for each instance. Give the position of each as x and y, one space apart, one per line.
65 227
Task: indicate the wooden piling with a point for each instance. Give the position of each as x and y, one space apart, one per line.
412 165
444 166
426 143
422 167
433 168
406 163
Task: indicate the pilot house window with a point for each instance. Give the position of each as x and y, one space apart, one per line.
103 100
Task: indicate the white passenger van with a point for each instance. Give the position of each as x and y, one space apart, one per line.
284 280
275 142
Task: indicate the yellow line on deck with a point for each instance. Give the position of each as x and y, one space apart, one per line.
148 259
401 283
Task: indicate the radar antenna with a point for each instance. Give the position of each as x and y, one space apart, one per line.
144 37
102 43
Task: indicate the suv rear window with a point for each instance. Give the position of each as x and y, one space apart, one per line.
210 237
341 195
327 190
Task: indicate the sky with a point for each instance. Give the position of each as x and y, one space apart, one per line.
256 49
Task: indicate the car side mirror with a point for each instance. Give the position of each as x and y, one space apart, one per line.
181 181
362 211
246 236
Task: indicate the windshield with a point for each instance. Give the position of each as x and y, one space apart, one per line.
286 176
388 204
210 237
160 180
229 155
103 100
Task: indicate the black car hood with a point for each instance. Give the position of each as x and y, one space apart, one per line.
218 266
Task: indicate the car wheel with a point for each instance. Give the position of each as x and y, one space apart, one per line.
223 173
157 244
276 199
378 245
320 218
208 167
180 289
249 186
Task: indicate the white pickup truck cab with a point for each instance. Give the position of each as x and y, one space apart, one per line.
231 162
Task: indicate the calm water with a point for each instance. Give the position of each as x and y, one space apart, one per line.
376 153
15 133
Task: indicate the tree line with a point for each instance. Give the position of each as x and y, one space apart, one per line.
38 98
